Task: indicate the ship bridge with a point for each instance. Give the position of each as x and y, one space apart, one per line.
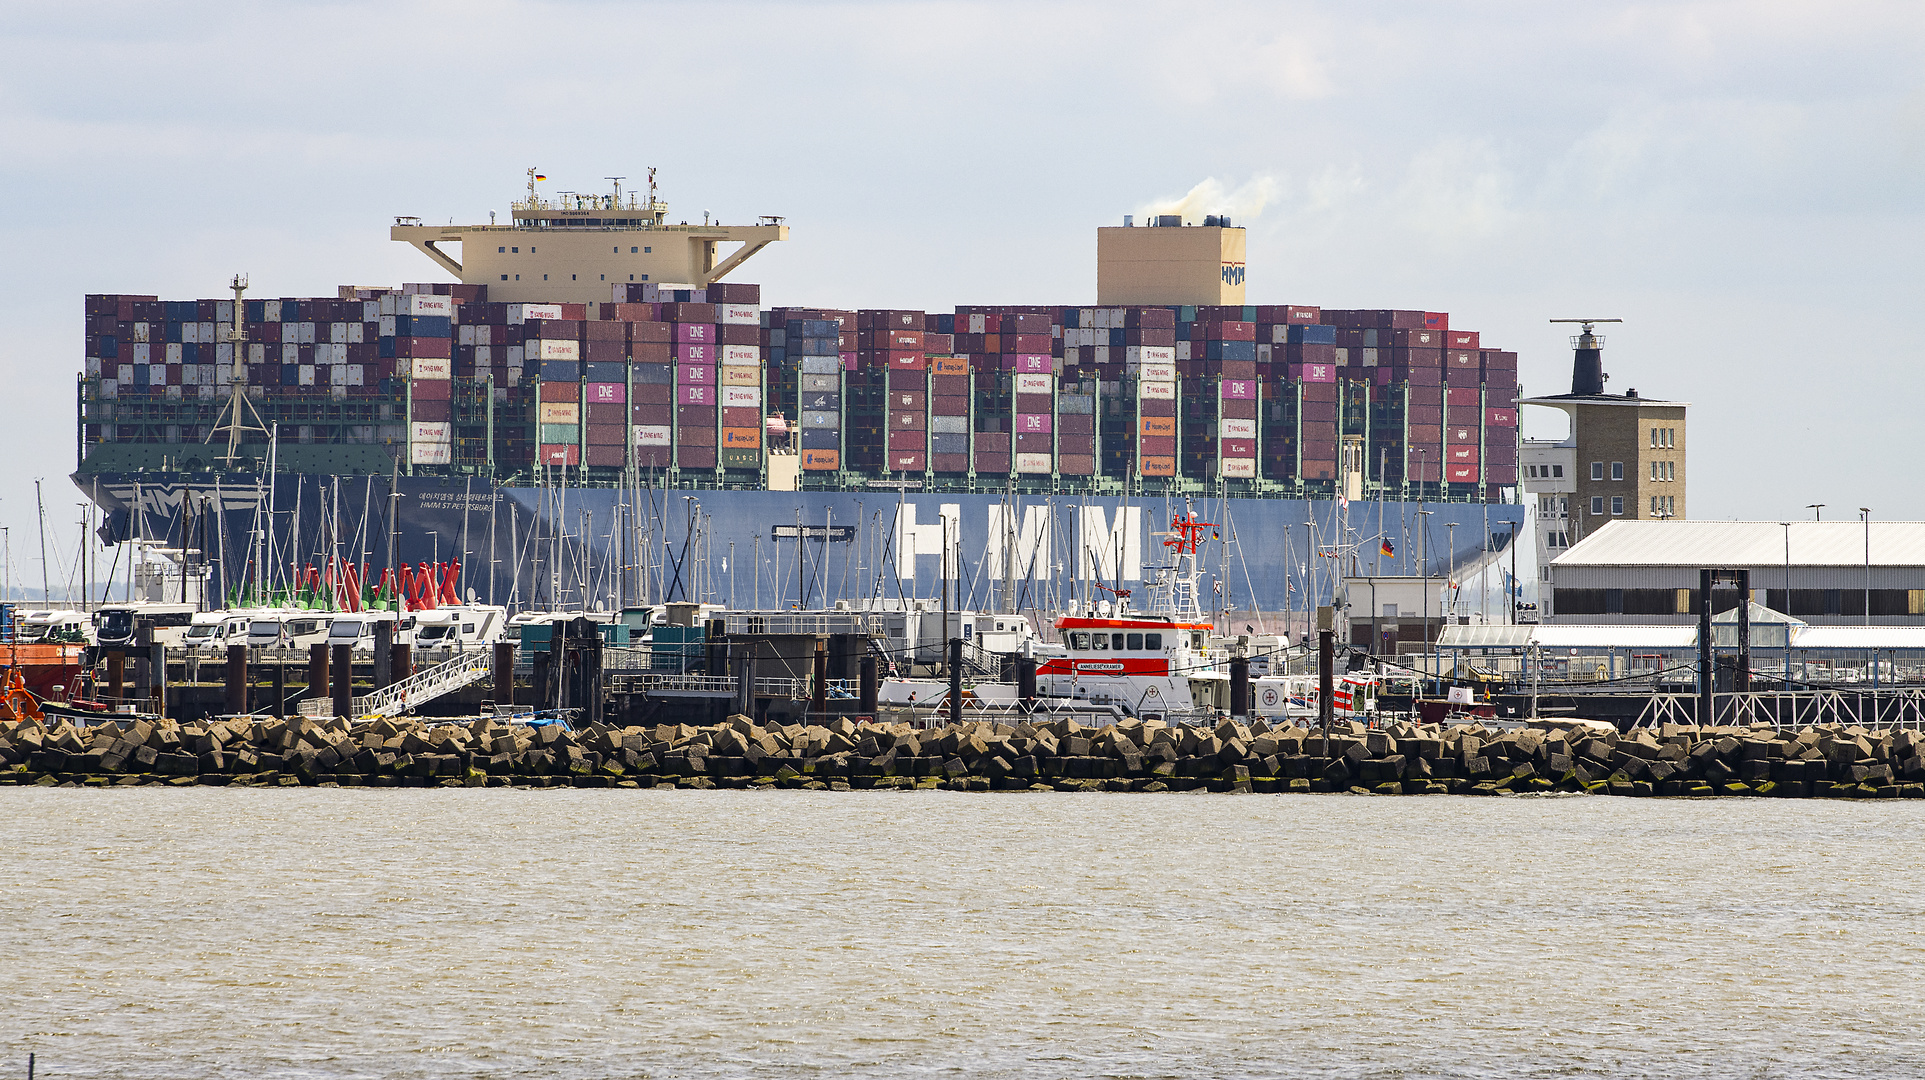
571 248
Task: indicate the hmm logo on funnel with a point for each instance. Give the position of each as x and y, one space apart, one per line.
1233 273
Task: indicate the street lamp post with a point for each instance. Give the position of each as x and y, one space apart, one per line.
1423 567
1450 580
1815 508
1865 513
1787 608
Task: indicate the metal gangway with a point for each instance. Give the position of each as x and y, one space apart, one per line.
1887 708
465 669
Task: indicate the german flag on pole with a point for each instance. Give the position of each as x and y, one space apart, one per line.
539 176
1388 551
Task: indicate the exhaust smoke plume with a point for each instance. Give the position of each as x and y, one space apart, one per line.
1211 197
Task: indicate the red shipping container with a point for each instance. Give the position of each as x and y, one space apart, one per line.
1238 410
908 380
605 456
1462 358
1463 433
1458 397
651 332
992 461
1461 339
427 389
949 406
741 417
900 439
739 334
559 454
1021 344
605 435
424 347
1238 447
1432 415
1426 395
908 421
1302 315
906 460
695 415
559 329
1157 406
695 435
907 399
1075 424
1426 435
949 385
1455 473
949 462
690 456
1504 418
1076 464
651 352
1157 444
688 313
653 394
1312 391
1500 453
600 330
1463 379
1035 442
433 411
1034 404
1501 377
606 413
1500 474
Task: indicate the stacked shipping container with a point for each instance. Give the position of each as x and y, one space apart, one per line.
1261 398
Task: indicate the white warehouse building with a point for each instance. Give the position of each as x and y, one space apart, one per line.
1821 573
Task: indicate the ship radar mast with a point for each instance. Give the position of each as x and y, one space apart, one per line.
234 416
1174 595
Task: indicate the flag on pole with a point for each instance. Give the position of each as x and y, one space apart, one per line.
1388 551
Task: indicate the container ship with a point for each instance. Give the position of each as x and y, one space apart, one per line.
585 428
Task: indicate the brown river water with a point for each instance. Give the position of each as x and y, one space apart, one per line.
315 932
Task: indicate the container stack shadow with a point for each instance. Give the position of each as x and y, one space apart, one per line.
1055 755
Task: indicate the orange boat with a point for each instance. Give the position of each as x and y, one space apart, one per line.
33 670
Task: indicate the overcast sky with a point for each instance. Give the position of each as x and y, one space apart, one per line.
1738 181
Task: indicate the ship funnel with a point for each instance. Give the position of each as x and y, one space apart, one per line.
1587 365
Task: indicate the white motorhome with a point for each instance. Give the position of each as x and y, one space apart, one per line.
214 631
119 627
294 628
464 626
357 629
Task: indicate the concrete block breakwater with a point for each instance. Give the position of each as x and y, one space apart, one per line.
1060 755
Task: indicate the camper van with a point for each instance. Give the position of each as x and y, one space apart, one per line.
119 627
290 629
356 629
465 626
214 631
